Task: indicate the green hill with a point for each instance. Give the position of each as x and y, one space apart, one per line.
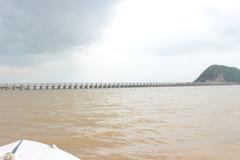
219 73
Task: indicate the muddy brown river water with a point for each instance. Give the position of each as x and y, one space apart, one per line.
179 123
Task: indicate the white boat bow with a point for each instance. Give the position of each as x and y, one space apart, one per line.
31 150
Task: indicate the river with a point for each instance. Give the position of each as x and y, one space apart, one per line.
183 123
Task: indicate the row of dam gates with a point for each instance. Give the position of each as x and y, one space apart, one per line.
52 86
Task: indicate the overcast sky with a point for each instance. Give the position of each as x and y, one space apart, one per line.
116 40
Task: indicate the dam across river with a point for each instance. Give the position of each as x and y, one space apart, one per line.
52 86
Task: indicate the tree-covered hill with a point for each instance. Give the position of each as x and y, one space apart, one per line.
219 73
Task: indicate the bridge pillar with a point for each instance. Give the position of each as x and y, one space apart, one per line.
70 86
53 86
76 86
113 85
28 87
82 86
34 86
59 86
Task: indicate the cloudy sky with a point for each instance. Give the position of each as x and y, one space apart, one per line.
116 40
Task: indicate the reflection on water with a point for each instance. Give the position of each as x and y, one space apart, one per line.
140 123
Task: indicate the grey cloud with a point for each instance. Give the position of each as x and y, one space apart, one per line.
39 26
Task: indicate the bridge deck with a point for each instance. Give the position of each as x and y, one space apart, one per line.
52 86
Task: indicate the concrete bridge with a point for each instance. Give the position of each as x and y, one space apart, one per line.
64 86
